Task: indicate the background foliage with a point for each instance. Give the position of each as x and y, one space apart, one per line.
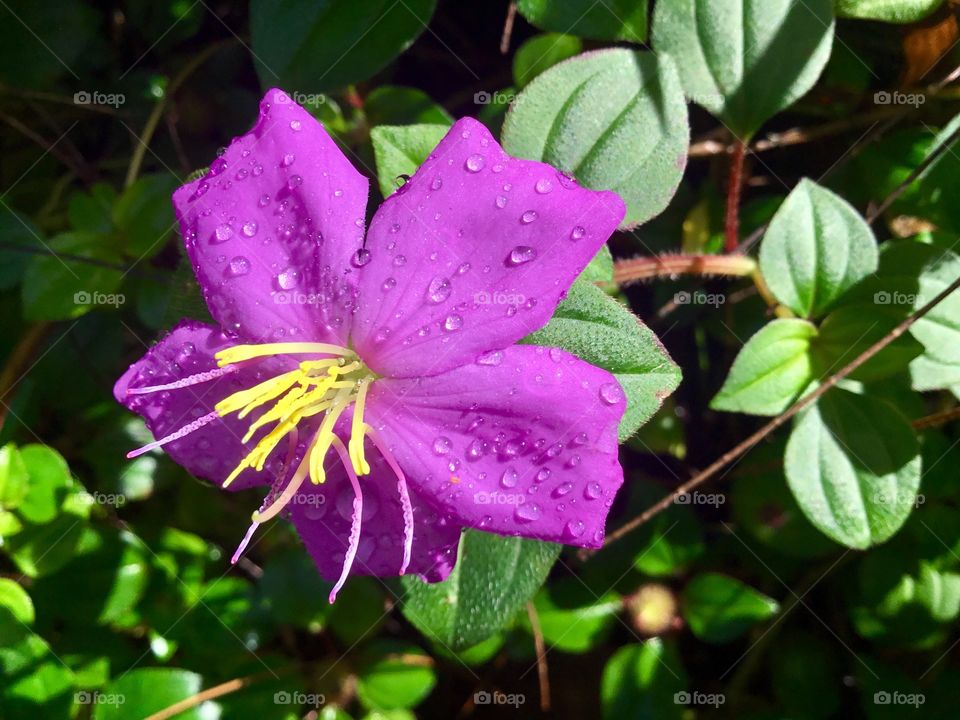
817 574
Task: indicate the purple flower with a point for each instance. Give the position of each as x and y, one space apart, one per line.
375 385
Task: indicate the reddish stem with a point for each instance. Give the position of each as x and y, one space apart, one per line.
670 266
734 185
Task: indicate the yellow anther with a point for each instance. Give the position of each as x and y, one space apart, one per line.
357 431
325 436
253 397
238 353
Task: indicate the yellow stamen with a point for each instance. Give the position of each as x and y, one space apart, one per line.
358 430
238 353
325 436
257 395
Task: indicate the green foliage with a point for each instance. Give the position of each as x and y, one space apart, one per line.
614 119
745 61
720 608
894 11
616 20
641 681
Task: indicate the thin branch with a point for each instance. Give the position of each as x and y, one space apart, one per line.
508 28
802 404
734 189
659 266
216 691
543 672
937 419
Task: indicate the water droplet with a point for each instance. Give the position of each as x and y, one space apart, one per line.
501 201
574 528
400 260
442 445
294 181
543 474
527 512
477 449
439 290
361 257
288 160
474 163
437 183
288 279
592 491
452 323
562 489
257 170
491 358
577 233
295 125
509 477
250 228
580 439
573 461
543 186
528 217
264 200
486 521
223 233
238 266
463 269
611 393
521 254
389 283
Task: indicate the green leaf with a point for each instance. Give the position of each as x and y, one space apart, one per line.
56 288
815 249
599 330
49 482
36 684
307 46
643 681
608 20
14 480
939 330
853 464
395 105
573 619
391 678
144 215
893 11
542 52
493 578
142 692
770 371
400 150
615 119
745 61
15 599
91 212
719 609
20 232
804 670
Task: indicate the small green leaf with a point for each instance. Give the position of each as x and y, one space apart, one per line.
607 20
312 47
24 236
493 578
770 371
91 212
13 477
15 599
745 61
644 681
939 330
815 249
144 215
395 105
615 119
49 483
598 329
719 609
573 619
145 691
394 675
853 464
893 11
400 150
542 52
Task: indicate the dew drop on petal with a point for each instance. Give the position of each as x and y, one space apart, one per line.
562 489
250 228
463 269
287 280
442 445
264 200
543 186
288 160
223 233
491 359
592 491
574 528
400 260
295 125
389 283
527 512
528 217
543 474
437 183
521 254
452 323
577 233
439 290
294 181
509 477
360 258
474 163
238 266
501 201
611 393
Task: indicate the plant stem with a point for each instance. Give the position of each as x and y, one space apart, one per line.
734 186
659 266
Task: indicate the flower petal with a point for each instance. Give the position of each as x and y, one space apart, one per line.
322 516
214 450
523 442
271 229
473 253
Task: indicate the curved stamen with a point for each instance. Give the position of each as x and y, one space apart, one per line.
175 435
246 352
243 543
288 492
404 495
357 457
355 522
196 379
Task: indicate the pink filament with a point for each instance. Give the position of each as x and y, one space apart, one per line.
354 541
404 496
243 543
202 377
176 435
